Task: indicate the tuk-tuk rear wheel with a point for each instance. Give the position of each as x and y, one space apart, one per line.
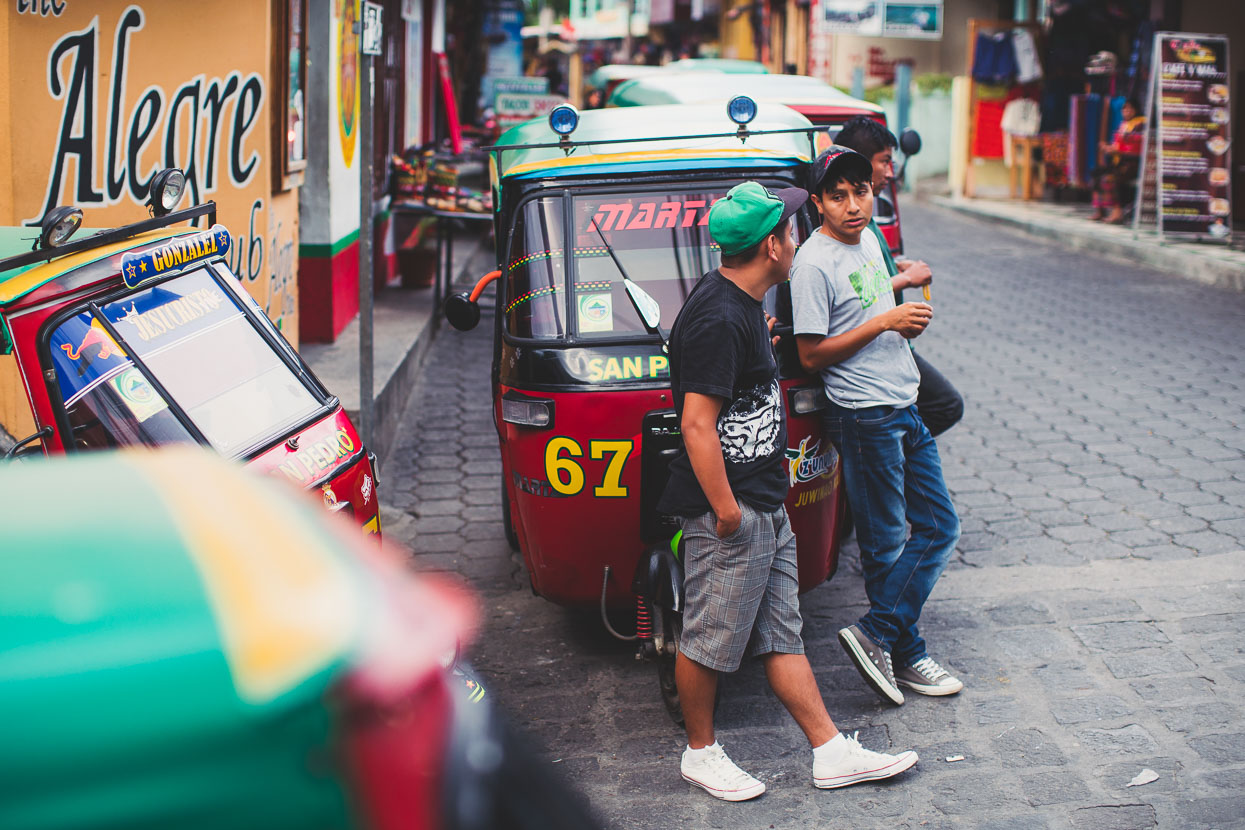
670 624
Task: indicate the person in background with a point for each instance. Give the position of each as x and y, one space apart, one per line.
1117 175
940 404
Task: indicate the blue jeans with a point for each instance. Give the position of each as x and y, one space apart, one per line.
894 479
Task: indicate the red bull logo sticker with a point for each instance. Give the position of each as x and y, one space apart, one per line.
95 335
805 463
176 254
596 313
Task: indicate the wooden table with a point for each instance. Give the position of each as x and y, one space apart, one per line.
1022 164
447 221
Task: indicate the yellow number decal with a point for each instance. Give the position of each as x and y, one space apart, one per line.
618 450
556 465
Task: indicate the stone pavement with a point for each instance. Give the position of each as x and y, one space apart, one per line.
1095 608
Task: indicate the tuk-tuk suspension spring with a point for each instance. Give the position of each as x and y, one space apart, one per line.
643 619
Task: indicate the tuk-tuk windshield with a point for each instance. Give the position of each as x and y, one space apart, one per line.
661 238
193 337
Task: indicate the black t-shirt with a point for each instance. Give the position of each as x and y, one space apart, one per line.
720 346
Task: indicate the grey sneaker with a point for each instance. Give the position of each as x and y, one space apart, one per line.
717 775
860 764
926 677
872 662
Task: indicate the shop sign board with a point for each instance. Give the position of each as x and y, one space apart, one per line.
879 18
1188 107
524 84
516 107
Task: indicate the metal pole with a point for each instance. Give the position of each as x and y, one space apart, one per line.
858 82
366 398
903 102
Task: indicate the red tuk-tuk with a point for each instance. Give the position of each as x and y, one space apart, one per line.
141 335
824 105
600 238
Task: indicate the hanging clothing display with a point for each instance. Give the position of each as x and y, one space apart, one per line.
994 59
1028 67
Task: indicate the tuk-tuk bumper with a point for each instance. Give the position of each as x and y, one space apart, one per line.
328 456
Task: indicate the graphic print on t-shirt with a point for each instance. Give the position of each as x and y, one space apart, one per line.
749 428
870 282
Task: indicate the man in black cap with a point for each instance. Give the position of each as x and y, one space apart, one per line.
728 488
848 328
940 404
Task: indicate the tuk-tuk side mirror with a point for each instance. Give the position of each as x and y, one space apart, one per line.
910 142
15 451
462 312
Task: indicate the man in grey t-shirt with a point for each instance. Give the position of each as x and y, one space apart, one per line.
848 328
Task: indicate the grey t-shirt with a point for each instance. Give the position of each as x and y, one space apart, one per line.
836 287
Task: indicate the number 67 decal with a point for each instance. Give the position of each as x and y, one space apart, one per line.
566 475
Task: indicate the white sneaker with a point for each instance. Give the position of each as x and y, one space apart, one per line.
717 774
859 764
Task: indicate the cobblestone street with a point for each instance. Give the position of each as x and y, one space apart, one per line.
1095 608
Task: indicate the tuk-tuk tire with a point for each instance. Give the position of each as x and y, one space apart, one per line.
512 538
846 521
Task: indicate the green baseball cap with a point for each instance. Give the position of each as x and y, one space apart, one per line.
749 213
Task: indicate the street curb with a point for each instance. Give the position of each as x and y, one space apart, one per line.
1184 261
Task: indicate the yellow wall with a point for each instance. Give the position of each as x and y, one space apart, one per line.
190 86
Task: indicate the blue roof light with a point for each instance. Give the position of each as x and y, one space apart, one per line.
741 109
563 119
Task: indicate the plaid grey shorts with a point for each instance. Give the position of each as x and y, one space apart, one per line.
741 593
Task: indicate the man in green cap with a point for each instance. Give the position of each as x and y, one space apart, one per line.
728 487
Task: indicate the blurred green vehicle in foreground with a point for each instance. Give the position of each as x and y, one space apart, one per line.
186 644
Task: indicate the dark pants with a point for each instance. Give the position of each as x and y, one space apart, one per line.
938 402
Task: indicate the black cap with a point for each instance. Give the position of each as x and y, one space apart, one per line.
838 159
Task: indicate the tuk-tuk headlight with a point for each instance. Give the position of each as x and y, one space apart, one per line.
166 190
806 400
59 225
527 412
564 119
741 109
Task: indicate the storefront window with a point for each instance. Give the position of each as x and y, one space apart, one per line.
291 94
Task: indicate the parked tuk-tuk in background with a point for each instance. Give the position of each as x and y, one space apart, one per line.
141 335
195 648
731 66
602 232
609 76
822 104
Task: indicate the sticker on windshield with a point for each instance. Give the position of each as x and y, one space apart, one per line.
140 396
170 312
596 313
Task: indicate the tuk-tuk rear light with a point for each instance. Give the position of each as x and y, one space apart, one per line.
527 412
807 400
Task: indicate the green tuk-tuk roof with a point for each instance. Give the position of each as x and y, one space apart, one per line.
603 75
19 282
171 626
731 66
707 87
669 127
